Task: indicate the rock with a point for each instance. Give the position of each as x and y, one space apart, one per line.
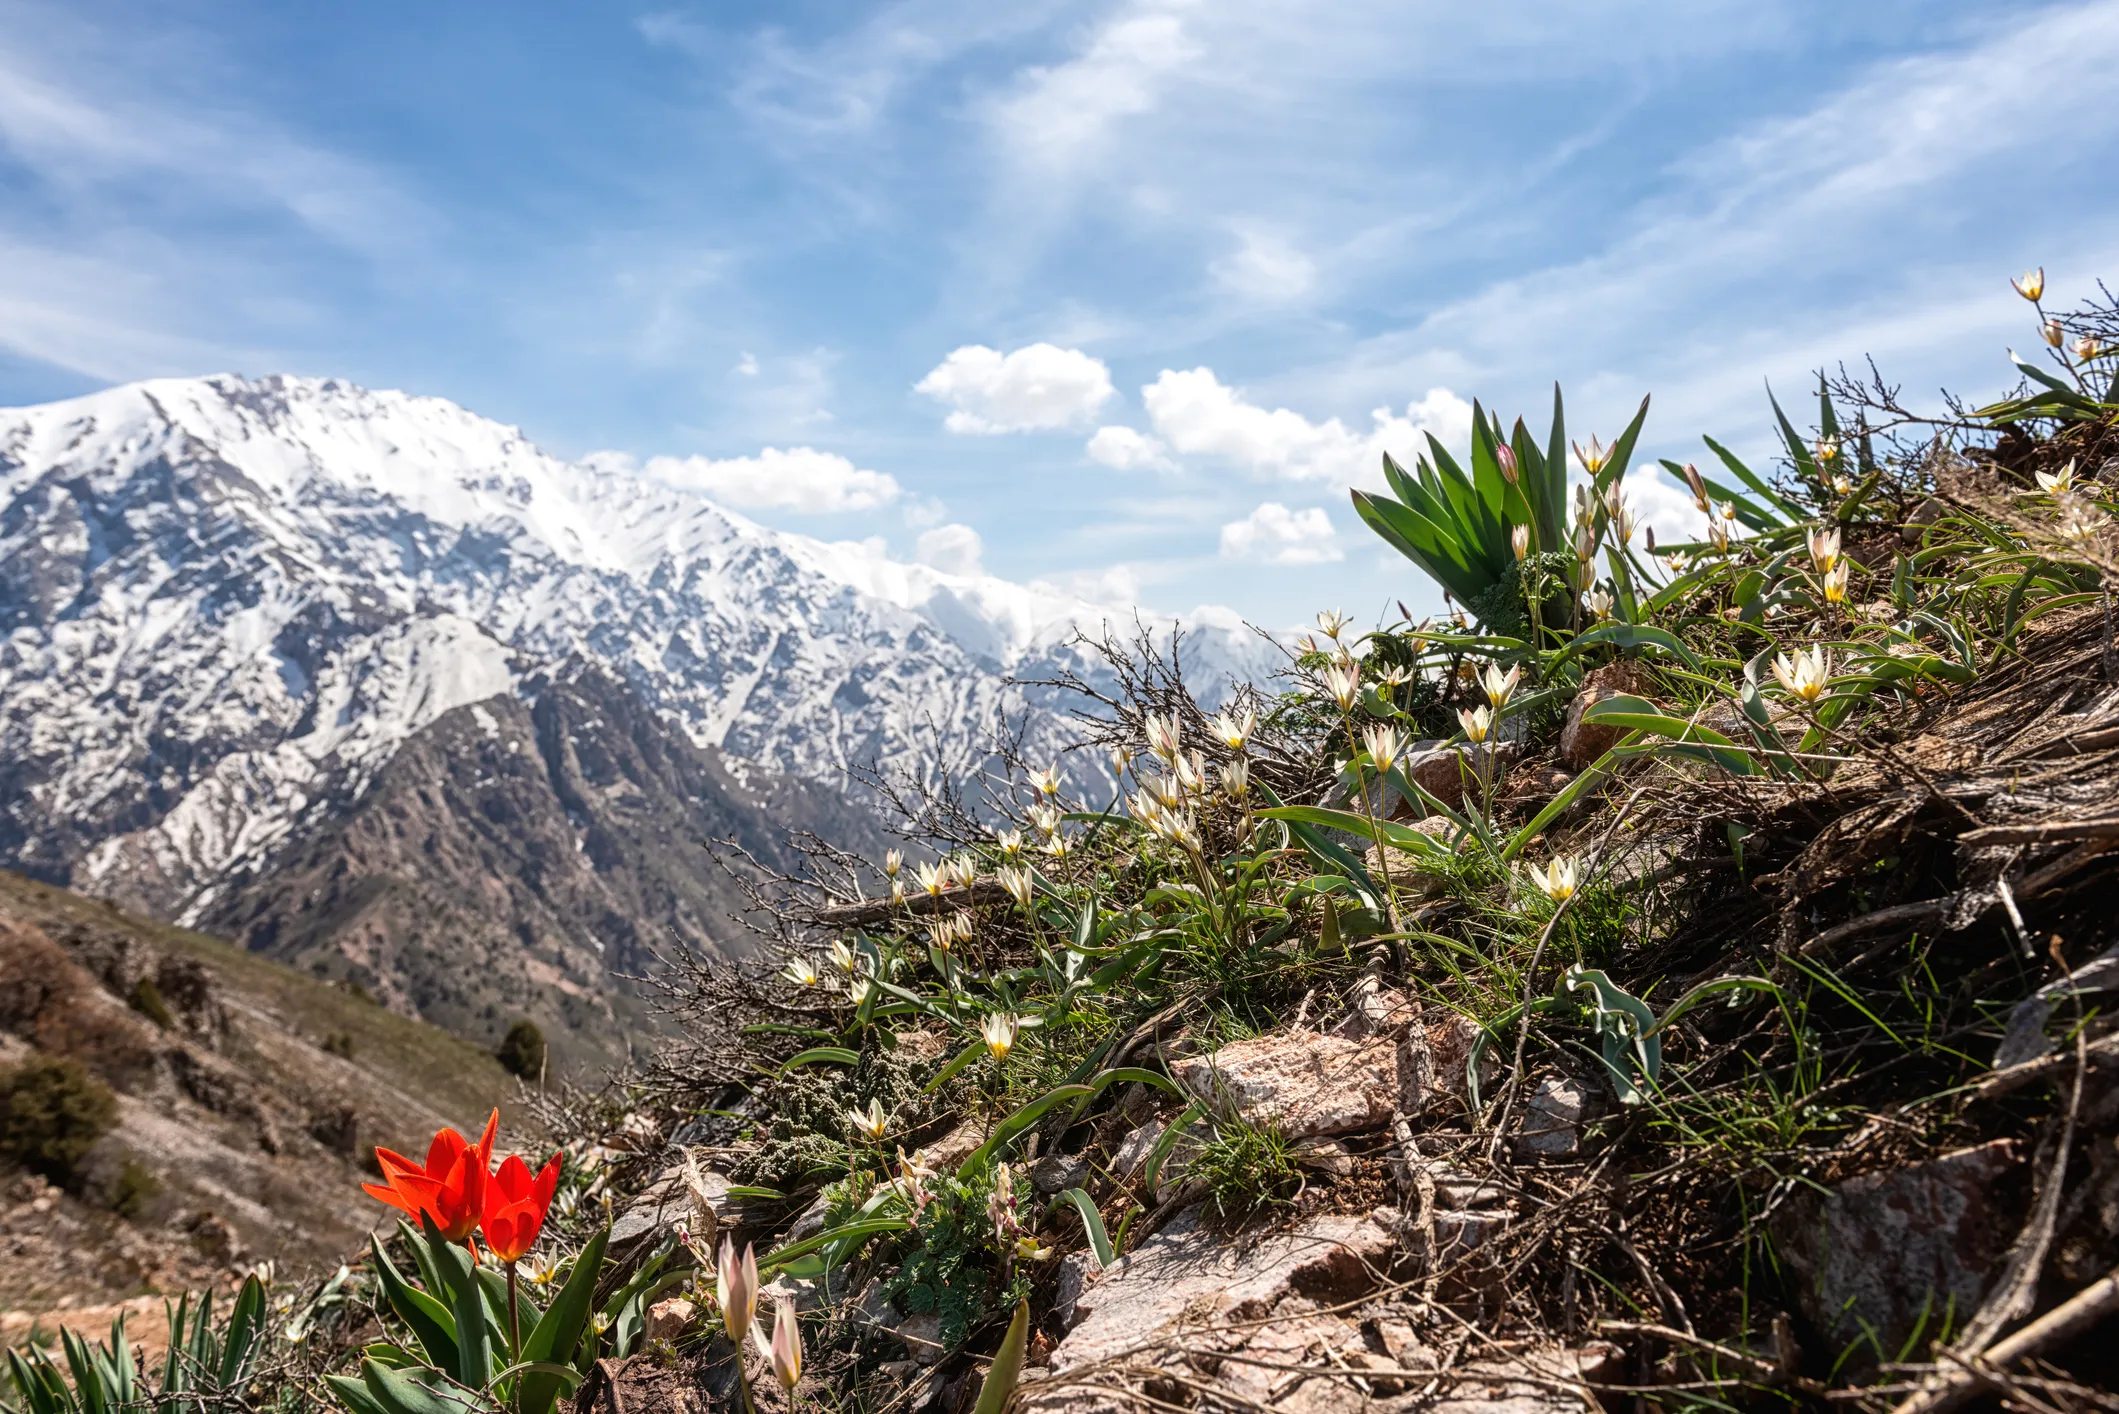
1056 1173
947 1152
666 1320
1305 1082
1872 1252
1445 771
1551 1126
828 1288
1581 743
1535 784
922 1335
1450 1038
1497 1386
1375 1010
1326 1156
1133 1150
1187 1277
1076 1271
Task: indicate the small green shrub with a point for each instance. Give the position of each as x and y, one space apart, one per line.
147 1000
340 1044
132 1190
52 1112
1245 1167
522 1052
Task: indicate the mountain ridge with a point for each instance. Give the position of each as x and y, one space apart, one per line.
227 606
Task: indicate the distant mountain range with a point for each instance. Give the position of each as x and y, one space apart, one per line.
373 685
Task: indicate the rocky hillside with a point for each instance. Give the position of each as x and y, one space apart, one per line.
251 634
248 1099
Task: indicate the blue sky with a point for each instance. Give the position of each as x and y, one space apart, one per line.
1102 294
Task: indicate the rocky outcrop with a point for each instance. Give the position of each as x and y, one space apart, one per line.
1305 1082
1267 1321
1582 741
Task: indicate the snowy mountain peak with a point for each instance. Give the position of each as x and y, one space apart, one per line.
227 603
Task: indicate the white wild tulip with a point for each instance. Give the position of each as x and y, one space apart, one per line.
1236 779
1696 484
1343 681
1519 540
1556 880
1385 746
933 878
1234 731
869 1126
1805 675
843 957
1478 723
1333 623
1835 583
1599 602
1718 535
1020 884
802 972
1058 845
1165 736
1046 782
893 861
1827 450
1594 458
1044 818
736 1290
1500 686
1841 485
1726 510
784 1351
2057 483
1191 772
1824 547
1169 791
1121 761
999 1032
2052 333
1011 843
2087 348
2032 285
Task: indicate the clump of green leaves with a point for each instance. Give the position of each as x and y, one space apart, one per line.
1245 1167
953 1272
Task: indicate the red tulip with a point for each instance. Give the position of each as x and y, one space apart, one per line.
515 1207
450 1187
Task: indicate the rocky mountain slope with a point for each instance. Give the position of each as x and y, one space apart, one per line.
244 1108
354 675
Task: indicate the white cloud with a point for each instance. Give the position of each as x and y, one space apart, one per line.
1124 449
1039 388
1198 414
1061 113
1278 536
1112 587
1266 269
747 365
952 549
800 479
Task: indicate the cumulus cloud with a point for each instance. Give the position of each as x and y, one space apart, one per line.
800 479
1275 535
1199 415
1038 388
1124 449
952 549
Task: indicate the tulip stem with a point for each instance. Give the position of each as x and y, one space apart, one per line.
514 1320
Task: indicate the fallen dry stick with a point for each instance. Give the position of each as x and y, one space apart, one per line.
2064 1322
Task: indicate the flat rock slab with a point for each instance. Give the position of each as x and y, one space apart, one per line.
1304 1082
1187 1276
1873 1251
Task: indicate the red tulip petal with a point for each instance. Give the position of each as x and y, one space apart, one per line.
485 1141
547 1181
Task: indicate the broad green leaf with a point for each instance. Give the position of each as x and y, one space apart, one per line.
1093 1225
1016 1123
822 1055
433 1326
559 1330
1007 1368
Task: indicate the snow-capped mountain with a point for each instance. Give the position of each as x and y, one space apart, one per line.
228 605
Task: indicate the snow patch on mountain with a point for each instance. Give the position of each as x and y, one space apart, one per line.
225 603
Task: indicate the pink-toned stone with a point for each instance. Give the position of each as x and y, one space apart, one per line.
1304 1082
1582 742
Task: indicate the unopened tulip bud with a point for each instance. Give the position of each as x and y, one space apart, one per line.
1505 455
2053 333
1519 540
